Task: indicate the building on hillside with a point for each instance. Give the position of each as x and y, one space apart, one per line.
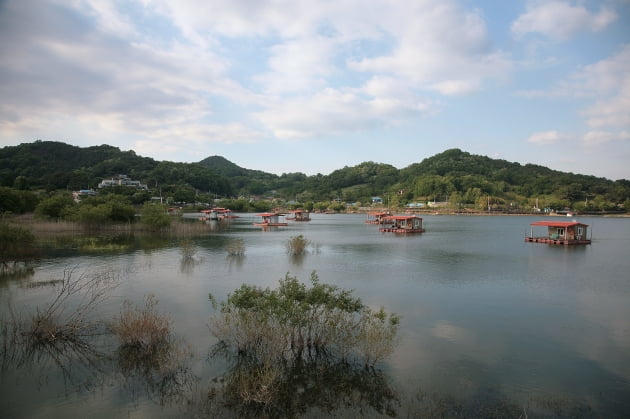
83 193
122 180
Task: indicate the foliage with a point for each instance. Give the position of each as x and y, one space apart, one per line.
16 201
297 245
154 216
142 326
236 247
16 243
55 207
189 249
295 322
462 179
67 317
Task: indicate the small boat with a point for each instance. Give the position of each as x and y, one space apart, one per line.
402 224
560 232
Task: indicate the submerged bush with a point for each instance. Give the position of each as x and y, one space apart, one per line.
236 247
296 322
142 327
189 249
297 245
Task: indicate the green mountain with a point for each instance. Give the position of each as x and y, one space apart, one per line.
54 165
454 176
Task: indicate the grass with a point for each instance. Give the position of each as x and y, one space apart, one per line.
47 228
142 327
297 245
236 247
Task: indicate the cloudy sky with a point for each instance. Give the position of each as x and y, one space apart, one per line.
313 86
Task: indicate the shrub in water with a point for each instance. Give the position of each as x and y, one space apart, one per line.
297 245
297 322
142 326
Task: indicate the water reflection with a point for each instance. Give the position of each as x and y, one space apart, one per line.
235 261
160 372
320 383
15 271
75 358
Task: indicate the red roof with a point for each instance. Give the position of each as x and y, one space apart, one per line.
402 217
558 223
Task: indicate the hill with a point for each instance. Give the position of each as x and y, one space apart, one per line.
453 176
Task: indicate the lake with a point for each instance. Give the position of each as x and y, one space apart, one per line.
491 326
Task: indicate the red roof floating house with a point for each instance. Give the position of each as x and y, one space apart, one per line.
376 217
299 215
271 219
402 224
560 232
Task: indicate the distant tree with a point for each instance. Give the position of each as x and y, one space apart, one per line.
55 206
184 194
21 183
16 243
16 202
155 216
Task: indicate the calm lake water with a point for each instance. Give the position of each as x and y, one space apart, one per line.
492 326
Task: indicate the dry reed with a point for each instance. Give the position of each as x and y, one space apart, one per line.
142 326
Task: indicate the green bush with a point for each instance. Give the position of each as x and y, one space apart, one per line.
155 216
297 245
296 322
16 202
16 243
55 207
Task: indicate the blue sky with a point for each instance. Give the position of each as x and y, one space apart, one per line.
313 86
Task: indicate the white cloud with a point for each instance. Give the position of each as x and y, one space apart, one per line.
439 47
546 138
560 19
595 138
299 65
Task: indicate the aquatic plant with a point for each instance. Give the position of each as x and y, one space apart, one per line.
296 322
236 247
189 249
58 321
299 347
297 245
141 326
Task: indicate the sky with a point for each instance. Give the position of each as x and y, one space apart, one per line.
314 86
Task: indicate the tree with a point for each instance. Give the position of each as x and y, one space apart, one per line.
17 202
155 216
16 243
55 206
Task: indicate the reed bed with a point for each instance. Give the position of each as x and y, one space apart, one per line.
47 228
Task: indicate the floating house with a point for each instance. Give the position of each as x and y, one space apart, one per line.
560 232
216 214
299 215
402 224
376 217
271 219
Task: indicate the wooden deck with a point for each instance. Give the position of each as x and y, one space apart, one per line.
400 230
555 241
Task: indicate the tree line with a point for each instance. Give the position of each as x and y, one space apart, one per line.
455 178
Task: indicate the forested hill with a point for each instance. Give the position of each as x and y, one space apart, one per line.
454 176
54 165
